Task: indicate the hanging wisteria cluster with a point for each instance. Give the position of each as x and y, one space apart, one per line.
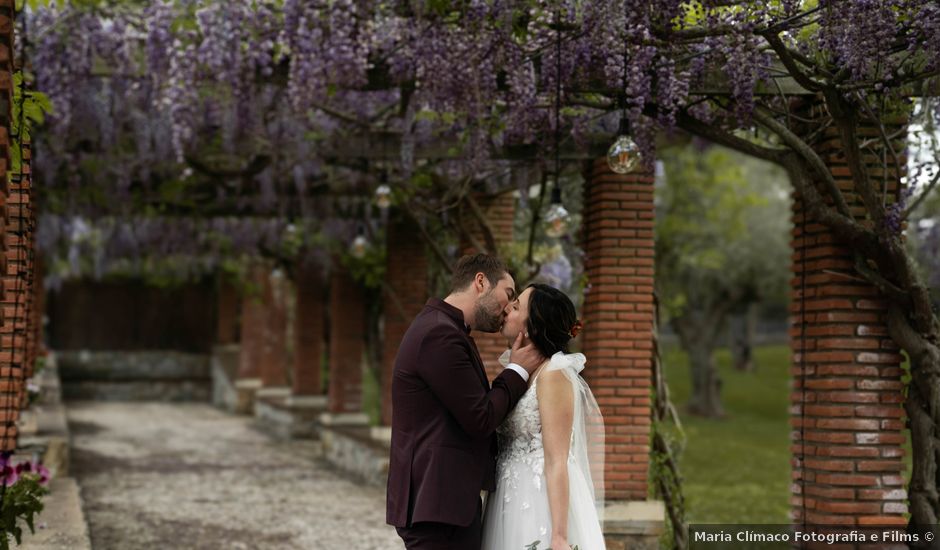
225 107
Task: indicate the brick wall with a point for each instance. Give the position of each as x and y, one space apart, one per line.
274 360
618 319
252 326
848 419
500 212
403 298
15 350
347 342
309 326
11 331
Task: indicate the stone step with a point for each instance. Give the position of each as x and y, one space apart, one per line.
61 525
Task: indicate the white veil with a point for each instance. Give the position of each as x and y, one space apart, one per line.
587 428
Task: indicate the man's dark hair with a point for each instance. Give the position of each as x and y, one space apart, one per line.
468 266
551 317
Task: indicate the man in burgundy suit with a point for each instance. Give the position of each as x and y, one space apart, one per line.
445 413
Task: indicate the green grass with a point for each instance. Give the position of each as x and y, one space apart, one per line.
737 469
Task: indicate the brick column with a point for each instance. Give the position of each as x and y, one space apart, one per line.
12 280
274 362
846 407
500 212
403 298
618 319
15 336
252 327
309 329
227 311
347 342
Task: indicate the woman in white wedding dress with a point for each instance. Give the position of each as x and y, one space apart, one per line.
549 485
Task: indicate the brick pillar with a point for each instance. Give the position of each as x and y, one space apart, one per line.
846 407
403 298
11 273
618 319
347 342
17 304
274 361
227 311
500 212
252 327
309 329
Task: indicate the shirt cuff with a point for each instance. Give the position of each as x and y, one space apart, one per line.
522 372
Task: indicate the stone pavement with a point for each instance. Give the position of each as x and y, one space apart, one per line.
162 475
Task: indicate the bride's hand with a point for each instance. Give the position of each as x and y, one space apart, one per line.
560 543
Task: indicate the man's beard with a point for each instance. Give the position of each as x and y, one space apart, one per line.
484 321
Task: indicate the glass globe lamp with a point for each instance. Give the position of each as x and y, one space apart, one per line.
383 196
359 246
557 217
624 155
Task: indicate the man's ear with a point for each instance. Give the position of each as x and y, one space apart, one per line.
479 282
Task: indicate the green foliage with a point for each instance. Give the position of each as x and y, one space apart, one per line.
29 109
534 545
721 229
21 501
369 270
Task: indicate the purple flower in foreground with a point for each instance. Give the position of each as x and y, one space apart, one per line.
8 475
43 473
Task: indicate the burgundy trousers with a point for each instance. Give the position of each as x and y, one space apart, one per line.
441 536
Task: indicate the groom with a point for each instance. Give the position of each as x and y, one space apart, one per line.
445 413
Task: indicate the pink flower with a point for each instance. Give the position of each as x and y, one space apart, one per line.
44 474
8 475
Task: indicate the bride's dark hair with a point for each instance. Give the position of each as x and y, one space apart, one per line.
551 319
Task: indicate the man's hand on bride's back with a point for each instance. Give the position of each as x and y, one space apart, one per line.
526 355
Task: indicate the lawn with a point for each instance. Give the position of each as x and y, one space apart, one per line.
737 470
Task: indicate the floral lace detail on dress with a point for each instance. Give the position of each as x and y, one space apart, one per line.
520 442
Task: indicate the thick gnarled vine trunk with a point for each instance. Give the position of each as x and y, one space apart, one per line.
871 230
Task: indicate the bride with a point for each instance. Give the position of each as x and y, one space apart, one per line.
549 490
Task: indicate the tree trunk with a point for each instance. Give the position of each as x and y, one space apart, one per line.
741 328
698 334
922 405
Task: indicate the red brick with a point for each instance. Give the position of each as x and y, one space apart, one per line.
879 438
847 451
849 507
880 466
847 424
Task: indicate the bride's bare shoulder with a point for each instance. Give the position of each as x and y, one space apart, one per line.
552 382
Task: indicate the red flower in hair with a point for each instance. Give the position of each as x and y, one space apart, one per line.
576 328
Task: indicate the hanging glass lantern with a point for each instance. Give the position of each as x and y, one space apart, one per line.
360 245
624 155
556 219
383 196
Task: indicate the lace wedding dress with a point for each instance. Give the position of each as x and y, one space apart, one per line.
517 512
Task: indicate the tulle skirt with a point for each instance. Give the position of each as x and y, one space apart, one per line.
517 512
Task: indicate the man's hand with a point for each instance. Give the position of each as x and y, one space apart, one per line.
526 356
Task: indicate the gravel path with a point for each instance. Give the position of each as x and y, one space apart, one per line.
158 475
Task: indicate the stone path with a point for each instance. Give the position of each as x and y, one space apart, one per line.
158 475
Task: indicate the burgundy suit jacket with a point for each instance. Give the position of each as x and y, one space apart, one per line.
444 421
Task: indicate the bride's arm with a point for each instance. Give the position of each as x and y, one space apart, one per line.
556 409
